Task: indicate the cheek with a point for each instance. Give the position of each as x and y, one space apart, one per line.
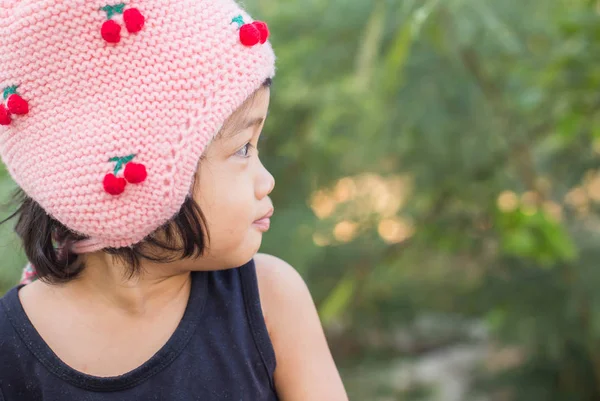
227 200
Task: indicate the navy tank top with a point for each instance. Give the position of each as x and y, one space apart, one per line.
220 350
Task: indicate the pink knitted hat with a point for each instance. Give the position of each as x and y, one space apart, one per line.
106 108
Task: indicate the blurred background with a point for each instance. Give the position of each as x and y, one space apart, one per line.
438 187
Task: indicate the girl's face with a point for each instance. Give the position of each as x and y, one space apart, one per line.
233 187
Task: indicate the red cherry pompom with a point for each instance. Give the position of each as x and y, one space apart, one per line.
111 31
263 29
135 173
249 35
4 116
134 20
16 105
114 185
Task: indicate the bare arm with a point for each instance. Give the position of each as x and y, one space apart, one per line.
305 368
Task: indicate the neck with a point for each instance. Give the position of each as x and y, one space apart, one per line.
106 282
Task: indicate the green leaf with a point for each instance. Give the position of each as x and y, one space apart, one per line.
339 299
118 167
397 57
119 8
501 30
112 10
520 242
11 90
570 124
371 43
239 19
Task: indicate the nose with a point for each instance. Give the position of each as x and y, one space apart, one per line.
265 183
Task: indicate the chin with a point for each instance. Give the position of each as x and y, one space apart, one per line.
241 254
229 253
249 251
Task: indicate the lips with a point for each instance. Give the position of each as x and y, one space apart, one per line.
264 222
268 215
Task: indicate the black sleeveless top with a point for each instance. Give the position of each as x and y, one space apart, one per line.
220 351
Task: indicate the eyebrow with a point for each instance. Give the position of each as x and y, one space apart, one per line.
252 123
241 127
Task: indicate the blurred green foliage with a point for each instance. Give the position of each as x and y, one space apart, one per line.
439 157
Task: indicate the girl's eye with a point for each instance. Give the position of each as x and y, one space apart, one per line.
245 150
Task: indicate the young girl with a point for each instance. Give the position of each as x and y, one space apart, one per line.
132 131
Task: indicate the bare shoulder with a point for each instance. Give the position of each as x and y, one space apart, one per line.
305 367
269 267
276 276
280 286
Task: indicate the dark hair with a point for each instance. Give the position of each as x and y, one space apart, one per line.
47 242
